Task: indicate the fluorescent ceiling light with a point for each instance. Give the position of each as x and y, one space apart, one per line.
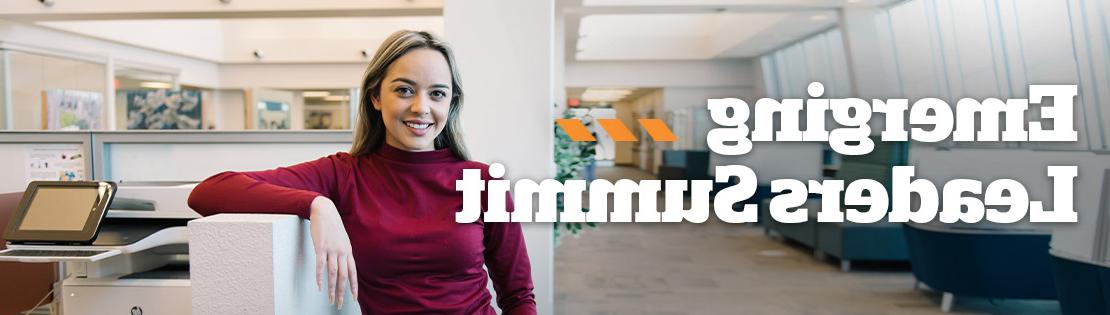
337 98
604 94
316 93
670 36
156 85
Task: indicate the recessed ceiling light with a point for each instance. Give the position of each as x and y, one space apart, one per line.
337 98
819 17
605 94
156 85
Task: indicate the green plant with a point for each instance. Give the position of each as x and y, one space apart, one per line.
570 157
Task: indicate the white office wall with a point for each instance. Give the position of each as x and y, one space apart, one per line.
315 40
292 76
302 40
194 71
200 38
504 50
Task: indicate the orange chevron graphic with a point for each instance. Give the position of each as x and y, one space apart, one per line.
658 130
575 129
655 128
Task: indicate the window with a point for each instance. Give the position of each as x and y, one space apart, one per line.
954 49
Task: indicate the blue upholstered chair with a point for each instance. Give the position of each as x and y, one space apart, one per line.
1083 287
981 262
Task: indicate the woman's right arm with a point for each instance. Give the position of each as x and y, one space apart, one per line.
284 190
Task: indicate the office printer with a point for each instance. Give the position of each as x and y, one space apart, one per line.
137 263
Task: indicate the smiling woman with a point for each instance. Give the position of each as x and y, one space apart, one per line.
387 208
416 104
411 90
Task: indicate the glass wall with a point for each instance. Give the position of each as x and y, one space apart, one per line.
54 93
56 90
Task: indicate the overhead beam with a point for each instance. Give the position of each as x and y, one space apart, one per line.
223 15
685 9
61 10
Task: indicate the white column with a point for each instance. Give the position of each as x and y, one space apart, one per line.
110 94
5 90
559 62
505 52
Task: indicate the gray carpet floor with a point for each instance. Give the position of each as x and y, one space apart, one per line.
720 268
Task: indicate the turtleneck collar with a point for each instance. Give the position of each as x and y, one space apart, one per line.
423 157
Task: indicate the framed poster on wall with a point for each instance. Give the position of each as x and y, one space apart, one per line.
71 110
163 109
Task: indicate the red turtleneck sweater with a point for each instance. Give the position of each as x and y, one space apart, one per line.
399 211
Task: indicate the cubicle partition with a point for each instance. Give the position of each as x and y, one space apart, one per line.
19 150
127 156
163 156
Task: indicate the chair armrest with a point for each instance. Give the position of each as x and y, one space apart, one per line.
256 264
